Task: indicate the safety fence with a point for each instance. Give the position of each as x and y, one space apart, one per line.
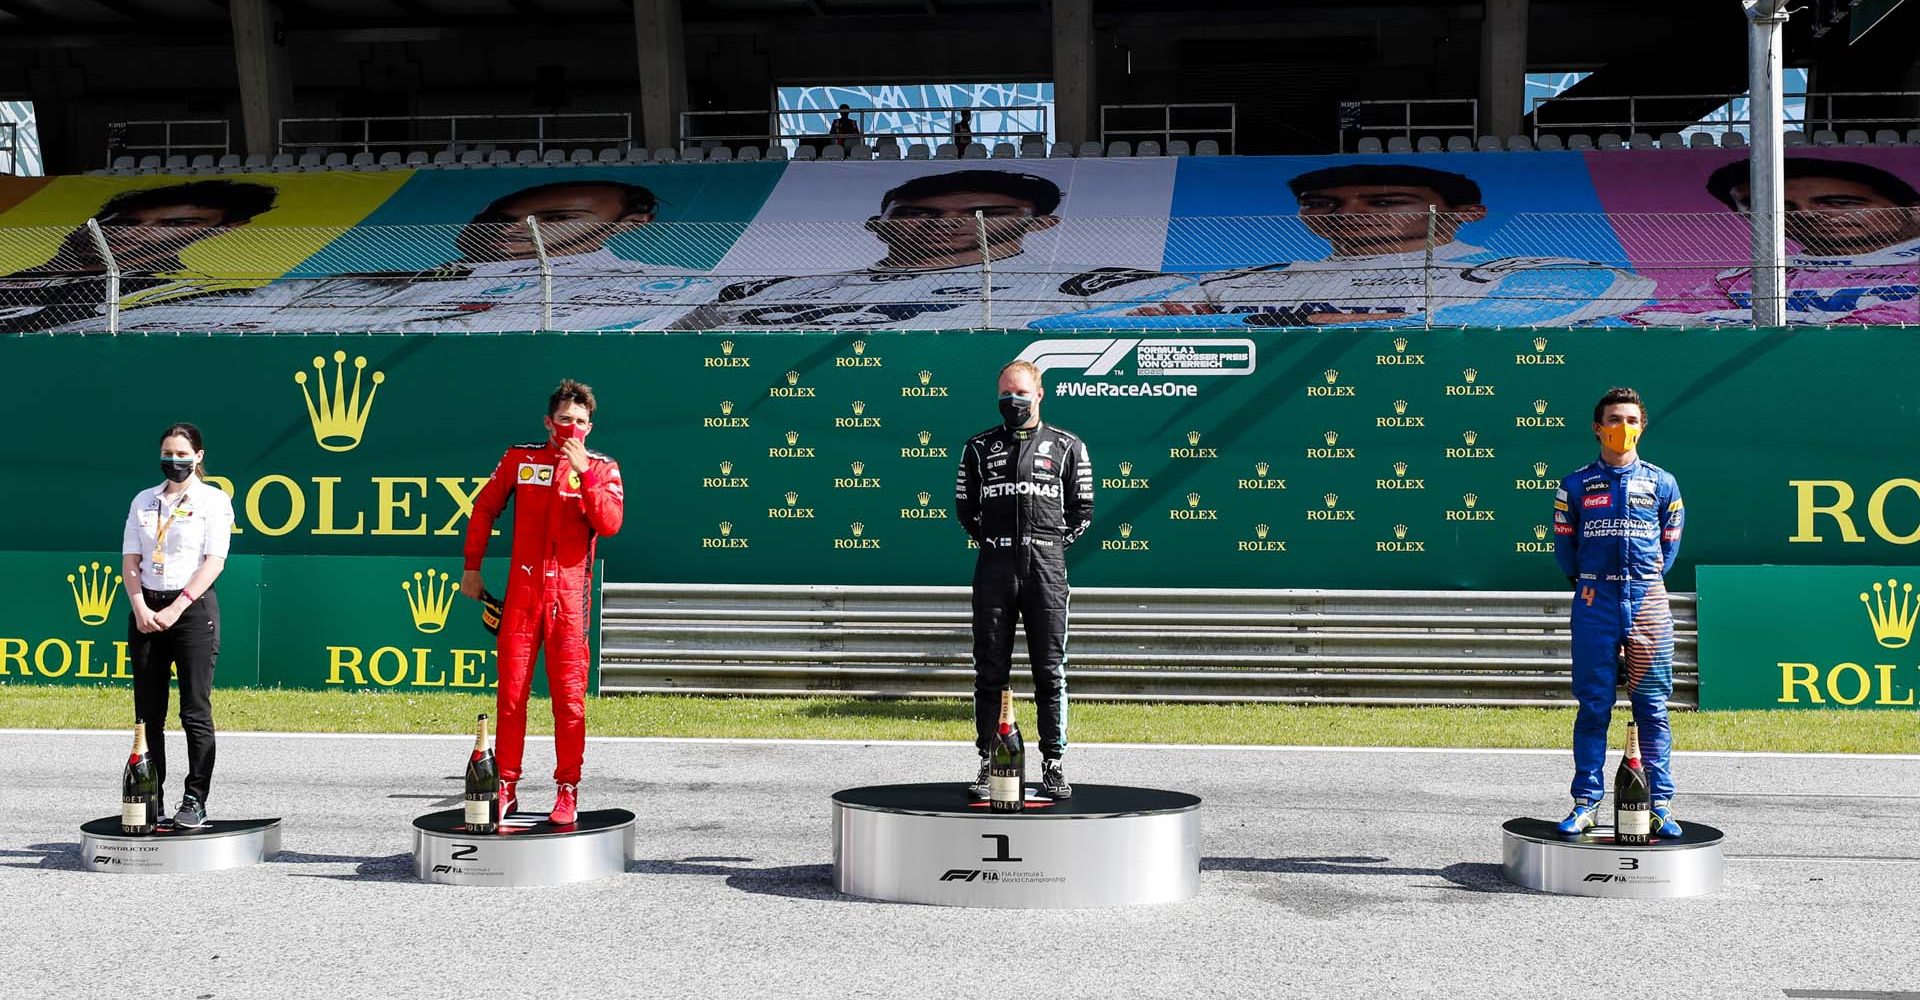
1372 647
1330 265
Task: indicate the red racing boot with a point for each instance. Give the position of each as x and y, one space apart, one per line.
566 805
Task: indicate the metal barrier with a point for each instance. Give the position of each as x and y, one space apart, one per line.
10 145
1199 121
1408 119
169 138
1291 646
1626 114
699 129
458 132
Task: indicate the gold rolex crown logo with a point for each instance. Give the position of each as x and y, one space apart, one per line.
1539 532
859 407
924 436
1260 531
726 407
926 377
792 498
1193 499
1540 406
1470 374
1892 613
859 467
793 378
726 528
726 348
1332 375
339 417
1539 468
1399 531
924 497
1470 499
1126 530
1399 407
1399 468
1332 499
1126 468
1470 436
429 599
858 528
1260 469
1539 343
1332 437
859 347
1399 344
94 587
793 438
1193 438
726 468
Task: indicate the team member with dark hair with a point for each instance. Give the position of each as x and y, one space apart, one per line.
565 498
172 550
931 274
1616 532
1858 231
145 230
1024 493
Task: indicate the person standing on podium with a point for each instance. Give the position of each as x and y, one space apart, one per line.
1616 531
565 498
1024 493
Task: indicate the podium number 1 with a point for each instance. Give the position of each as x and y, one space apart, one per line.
1002 845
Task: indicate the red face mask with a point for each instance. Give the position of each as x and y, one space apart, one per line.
563 432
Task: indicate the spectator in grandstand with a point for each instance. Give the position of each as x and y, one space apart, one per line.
931 274
495 282
146 230
1857 228
962 131
1375 218
844 130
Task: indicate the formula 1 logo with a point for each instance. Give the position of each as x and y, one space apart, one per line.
1097 356
1601 877
969 875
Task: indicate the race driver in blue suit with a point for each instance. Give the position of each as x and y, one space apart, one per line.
1616 530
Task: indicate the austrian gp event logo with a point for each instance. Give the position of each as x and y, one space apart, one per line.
1145 359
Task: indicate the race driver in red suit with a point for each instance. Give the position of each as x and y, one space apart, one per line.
564 497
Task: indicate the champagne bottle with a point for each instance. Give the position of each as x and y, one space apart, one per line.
139 787
1007 761
483 784
1632 797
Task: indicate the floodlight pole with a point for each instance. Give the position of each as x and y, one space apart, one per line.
1767 180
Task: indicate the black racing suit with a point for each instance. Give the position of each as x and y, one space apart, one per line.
1024 495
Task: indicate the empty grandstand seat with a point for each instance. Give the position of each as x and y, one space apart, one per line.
1855 137
918 151
1148 148
1733 140
1609 140
1639 140
282 161
500 158
553 158
609 155
945 151
149 164
1399 144
748 154
834 151
1913 137
338 161
637 154
1207 147
201 163
1701 140
255 161
580 157
1370 144
312 159
859 151
362 160
1178 147
1794 137
231 162
392 160
1886 137
1519 144
1459 144
1003 151
1672 140
526 158
777 153
1119 147
974 151
1092 147
1581 140
1428 144
887 151
1033 149
805 152
665 154
445 159
1489 144
1062 151
176 162
125 164
1550 143
719 154
420 158
1826 137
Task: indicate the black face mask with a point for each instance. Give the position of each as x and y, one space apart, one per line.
1016 410
177 470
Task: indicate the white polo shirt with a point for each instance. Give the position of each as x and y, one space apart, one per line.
198 523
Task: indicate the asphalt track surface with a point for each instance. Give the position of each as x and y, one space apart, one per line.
1325 873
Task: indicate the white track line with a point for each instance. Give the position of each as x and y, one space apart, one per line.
1211 747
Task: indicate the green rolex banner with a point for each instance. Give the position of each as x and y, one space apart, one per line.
1808 637
349 623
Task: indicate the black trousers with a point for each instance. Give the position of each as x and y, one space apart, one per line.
192 645
1025 584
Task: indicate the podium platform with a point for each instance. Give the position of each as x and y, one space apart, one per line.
1108 845
1537 856
526 850
223 843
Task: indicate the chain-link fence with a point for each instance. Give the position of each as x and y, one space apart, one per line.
1393 268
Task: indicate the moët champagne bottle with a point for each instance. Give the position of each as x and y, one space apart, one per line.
1007 761
1632 797
139 787
483 784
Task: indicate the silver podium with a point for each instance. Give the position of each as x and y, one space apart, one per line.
1109 845
223 843
527 849
1537 856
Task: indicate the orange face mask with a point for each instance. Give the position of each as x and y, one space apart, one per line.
1620 438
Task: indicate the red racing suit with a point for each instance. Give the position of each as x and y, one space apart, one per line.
557 517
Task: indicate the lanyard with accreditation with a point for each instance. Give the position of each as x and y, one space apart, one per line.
162 527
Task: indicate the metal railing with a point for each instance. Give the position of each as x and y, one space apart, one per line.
10 145
1408 119
1188 122
1160 645
1627 114
792 127
457 133
182 137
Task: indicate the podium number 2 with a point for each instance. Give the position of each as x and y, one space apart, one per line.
1586 594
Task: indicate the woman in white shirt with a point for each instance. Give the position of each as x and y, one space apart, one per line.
174 547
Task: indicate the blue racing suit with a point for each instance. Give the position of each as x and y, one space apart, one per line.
1615 533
